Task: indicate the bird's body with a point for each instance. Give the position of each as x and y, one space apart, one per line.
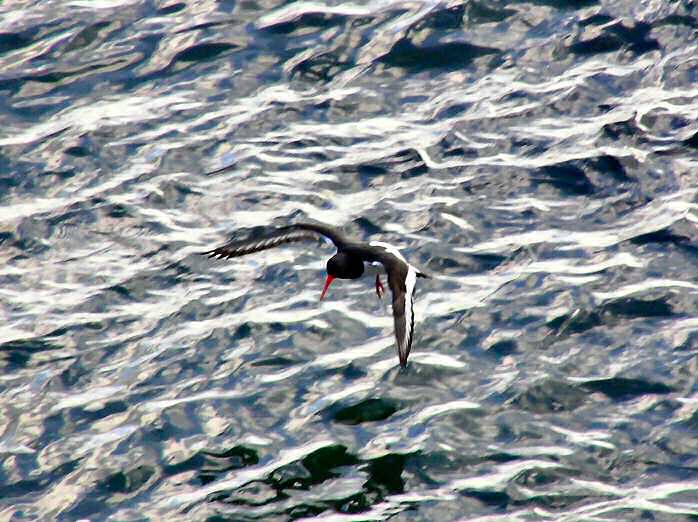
347 263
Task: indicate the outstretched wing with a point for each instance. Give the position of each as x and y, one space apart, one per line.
402 279
274 237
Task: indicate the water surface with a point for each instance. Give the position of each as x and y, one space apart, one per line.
538 158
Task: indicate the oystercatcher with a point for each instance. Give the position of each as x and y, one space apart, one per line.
347 263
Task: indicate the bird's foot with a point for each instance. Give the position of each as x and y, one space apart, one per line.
379 287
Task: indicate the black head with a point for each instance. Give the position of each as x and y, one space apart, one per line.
344 266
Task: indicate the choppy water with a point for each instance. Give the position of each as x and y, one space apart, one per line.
539 158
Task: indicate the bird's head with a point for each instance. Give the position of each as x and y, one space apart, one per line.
342 266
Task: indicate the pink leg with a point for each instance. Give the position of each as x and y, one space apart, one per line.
379 287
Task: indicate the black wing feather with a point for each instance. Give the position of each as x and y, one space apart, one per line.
275 237
403 298
327 231
403 330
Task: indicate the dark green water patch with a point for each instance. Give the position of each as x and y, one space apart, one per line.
443 19
385 474
568 178
692 141
322 67
633 38
610 313
18 354
125 482
608 165
575 322
171 8
665 235
450 55
320 463
678 20
370 410
13 41
210 465
82 418
39 482
118 486
202 52
631 307
550 396
89 35
313 469
621 389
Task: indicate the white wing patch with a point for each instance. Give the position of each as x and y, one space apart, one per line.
394 251
410 281
388 248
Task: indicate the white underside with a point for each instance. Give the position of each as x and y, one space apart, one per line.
410 282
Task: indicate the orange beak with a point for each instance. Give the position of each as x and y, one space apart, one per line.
327 285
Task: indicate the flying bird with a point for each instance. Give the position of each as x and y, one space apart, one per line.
347 263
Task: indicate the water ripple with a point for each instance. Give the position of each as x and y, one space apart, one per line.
537 158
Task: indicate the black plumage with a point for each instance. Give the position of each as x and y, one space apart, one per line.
347 263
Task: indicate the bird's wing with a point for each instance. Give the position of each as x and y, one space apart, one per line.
319 229
402 279
274 237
